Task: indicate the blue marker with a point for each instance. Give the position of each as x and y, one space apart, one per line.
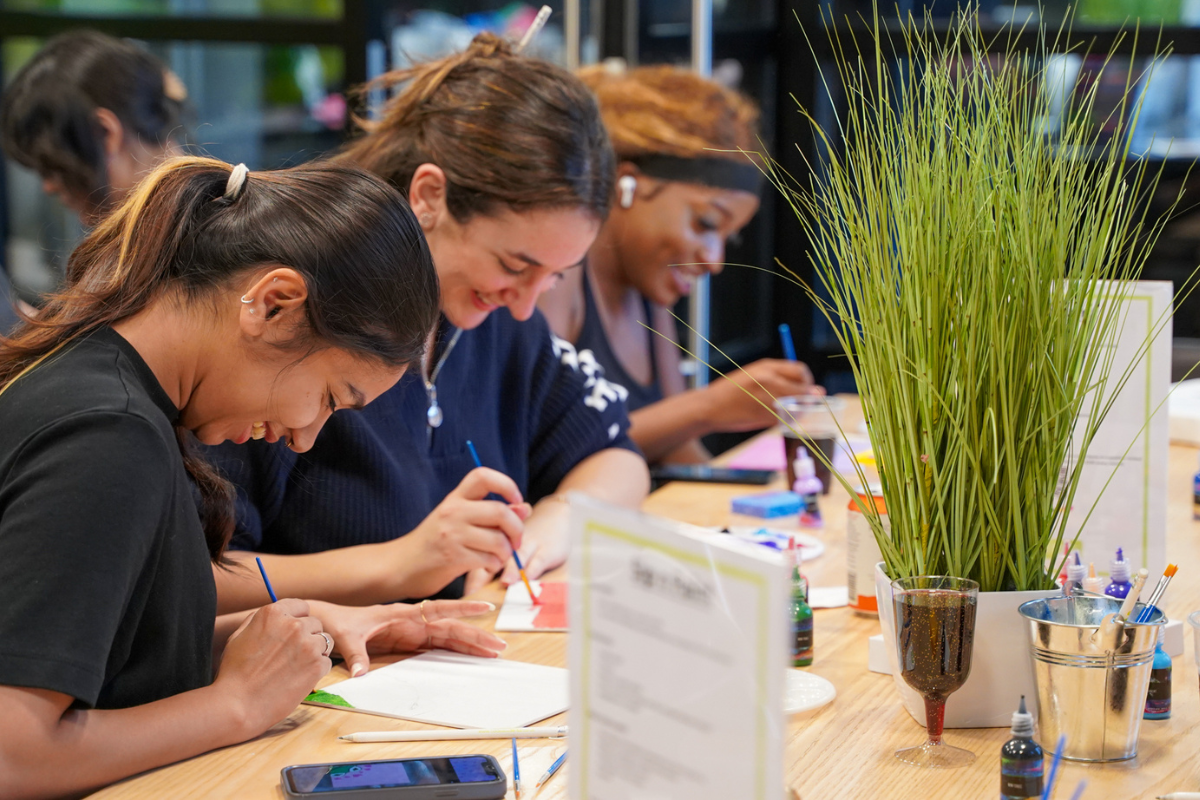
785 336
266 580
516 558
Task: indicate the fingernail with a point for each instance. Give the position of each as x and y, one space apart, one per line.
491 606
359 669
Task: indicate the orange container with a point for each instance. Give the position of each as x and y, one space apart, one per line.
862 552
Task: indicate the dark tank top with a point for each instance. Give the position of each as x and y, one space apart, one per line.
593 338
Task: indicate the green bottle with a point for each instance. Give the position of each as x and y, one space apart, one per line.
802 621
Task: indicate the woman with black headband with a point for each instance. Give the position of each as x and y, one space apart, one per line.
679 198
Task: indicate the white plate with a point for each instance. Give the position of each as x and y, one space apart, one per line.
777 538
804 691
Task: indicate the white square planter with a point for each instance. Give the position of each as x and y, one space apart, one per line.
1001 668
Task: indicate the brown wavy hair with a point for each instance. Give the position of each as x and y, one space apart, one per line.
663 110
508 131
372 288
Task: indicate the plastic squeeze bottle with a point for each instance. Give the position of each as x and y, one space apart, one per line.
1119 586
1022 762
1196 496
801 614
1093 583
1076 572
809 487
1158 699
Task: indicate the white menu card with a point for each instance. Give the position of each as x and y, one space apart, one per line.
677 654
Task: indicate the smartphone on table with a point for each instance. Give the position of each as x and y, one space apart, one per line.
703 473
473 777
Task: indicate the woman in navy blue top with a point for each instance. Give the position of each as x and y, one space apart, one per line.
683 189
508 168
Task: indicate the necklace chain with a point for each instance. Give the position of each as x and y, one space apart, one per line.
433 414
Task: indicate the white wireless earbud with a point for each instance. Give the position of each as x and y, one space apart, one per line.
626 186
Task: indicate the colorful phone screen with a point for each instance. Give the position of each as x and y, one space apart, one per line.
391 774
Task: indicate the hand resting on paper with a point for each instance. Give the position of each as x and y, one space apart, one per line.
543 547
359 632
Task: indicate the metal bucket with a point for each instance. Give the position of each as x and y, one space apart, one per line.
1091 679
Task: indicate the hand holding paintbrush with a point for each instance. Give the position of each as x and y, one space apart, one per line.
520 568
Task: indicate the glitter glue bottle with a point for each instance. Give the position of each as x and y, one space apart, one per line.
801 613
1119 572
1158 699
809 487
1022 762
1093 583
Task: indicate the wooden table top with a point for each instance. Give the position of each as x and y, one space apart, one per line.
843 750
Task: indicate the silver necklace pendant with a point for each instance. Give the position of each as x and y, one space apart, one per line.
433 414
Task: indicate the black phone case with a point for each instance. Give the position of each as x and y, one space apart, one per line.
492 790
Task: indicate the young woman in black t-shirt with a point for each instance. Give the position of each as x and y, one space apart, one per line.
209 304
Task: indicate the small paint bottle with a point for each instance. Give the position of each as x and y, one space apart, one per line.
1158 698
1093 583
1196 496
1022 761
1119 584
801 614
808 486
1076 572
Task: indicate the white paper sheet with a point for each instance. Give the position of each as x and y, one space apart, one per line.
1131 513
518 612
677 651
458 691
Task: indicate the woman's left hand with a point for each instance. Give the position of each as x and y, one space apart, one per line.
545 543
400 627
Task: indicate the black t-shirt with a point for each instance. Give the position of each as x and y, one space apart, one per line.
106 587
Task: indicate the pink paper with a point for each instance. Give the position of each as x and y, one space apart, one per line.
766 452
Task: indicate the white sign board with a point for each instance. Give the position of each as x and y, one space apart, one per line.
677 656
1131 513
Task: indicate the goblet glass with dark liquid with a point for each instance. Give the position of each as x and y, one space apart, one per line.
935 633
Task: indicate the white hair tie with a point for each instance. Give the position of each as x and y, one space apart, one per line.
237 179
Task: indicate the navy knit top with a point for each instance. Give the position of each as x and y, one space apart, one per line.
531 405
593 341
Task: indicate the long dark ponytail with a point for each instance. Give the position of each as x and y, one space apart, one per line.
372 288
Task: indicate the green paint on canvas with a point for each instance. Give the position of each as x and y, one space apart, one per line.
327 698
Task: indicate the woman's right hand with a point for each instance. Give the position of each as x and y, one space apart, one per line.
271 663
465 532
744 400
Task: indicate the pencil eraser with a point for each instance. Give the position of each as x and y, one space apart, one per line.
768 504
